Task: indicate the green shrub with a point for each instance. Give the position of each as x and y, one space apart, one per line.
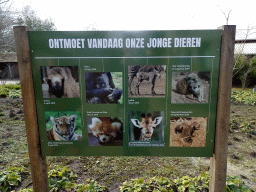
246 97
11 91
13 86
200 183
153 184
26 190
91 186
185 183
61 177
234 183
15 94
10 177
3 92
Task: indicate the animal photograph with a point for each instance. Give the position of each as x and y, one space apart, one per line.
104 87
190 87
188 132
146 80
63 126
60 82
146 126
105 131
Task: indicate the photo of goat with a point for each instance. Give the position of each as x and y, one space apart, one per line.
146 80
190 87
105 131
146 126
103 87
63 126
60 82
188 132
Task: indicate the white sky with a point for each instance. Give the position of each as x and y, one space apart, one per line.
73 15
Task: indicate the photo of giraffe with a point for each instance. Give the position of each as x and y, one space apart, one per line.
146 126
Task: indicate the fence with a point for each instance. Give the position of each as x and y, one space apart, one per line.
246 41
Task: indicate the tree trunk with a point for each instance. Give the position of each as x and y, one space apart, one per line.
245 78
10 70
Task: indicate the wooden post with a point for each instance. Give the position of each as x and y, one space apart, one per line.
218 163
37 162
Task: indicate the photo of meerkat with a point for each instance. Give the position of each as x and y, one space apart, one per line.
188 132
190 87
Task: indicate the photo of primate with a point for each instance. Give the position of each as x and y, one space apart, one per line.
190 87
105 131
59 82
146 80
188 132
101 89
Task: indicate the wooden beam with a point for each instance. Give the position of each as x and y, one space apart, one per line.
37 162
218 163
245 41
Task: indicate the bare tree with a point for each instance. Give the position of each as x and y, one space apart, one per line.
6 22
240 50
2 2
9 18
226 15
29 18
91 27
9 65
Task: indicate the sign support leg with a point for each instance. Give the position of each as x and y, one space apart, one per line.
218 163
37 162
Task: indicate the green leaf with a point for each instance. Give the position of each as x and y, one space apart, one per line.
185 182
72 175
192 188
140 180
4 188
68 185
3 179
181 188
163 181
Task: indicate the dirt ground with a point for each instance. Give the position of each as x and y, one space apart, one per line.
113 171
145 87
179 98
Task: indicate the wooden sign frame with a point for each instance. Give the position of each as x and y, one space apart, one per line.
218 164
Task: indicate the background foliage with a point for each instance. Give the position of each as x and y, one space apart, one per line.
29 18
243 96
244 70
9 17
10 91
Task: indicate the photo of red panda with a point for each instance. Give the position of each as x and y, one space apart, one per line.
105 131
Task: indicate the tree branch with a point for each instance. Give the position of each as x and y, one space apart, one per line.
4 1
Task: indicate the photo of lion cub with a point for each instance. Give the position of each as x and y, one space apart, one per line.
63 129
59 82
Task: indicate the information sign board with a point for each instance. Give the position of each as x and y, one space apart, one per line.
126 93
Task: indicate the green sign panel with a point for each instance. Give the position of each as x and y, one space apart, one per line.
126 93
